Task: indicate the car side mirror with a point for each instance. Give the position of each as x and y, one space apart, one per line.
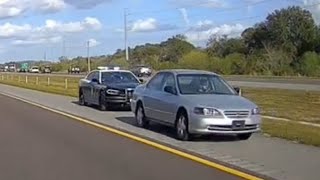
170 89
238 90
141 80
94 80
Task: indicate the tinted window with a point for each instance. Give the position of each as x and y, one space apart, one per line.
156 82
90 76
203 84
118 77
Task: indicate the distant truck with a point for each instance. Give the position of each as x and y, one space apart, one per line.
24 67
74 70
46 69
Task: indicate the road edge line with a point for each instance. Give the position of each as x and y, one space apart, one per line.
143 140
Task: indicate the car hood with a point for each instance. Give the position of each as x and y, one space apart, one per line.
223 102
122 85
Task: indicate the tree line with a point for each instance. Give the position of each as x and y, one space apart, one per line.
287 42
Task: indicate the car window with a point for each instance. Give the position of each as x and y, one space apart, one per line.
169 81
91 76
203 84
96 75
118 77
156 82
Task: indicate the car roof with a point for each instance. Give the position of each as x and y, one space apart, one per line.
113 70
188 71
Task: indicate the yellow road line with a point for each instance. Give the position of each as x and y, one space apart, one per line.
145 141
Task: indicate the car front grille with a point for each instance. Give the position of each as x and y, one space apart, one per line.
236 114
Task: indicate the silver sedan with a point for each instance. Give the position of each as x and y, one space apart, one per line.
195 102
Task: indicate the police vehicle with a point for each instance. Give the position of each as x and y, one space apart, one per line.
107 87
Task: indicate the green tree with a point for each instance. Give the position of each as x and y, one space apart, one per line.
310 64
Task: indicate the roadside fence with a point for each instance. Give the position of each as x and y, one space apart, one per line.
41 81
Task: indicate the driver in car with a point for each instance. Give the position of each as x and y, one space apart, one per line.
204 86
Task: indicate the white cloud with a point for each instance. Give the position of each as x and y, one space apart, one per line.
184 14
14 8
49 6
149 25
54 39
50 32
93 42
199 33
314 7
86 4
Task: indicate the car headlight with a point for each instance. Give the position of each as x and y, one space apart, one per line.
113 91
207 112
255 111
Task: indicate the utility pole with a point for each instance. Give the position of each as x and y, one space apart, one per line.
125 34
63 48
88 55
45 55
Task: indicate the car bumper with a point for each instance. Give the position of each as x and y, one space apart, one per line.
118 100
207 125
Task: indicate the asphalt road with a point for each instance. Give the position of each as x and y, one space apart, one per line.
38 144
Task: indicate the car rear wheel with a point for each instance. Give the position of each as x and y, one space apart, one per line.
140 117
244 136
82 101
182 132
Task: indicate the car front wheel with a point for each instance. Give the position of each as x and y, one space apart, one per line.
182 127
141 118
102 102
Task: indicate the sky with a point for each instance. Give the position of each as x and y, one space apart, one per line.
35 29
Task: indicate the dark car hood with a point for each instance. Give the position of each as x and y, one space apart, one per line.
121 86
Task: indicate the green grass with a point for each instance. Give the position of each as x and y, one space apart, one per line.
291 104
294 105
299 133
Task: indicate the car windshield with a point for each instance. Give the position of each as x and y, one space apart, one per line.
118 77
203 84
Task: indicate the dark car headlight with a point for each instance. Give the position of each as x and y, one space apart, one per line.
112 91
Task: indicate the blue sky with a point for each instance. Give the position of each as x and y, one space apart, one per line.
29 29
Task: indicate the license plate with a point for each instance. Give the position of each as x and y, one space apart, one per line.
238 124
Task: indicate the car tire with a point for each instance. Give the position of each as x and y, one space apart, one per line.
141 117
244 136
82 101
182 132
102 103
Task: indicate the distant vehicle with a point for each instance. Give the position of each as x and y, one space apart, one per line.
46 69
142 70
24 68
195 103
2 68
74 70
35 69
107 88
12 68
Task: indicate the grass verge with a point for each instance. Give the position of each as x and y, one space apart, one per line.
299 133
295 105
291 104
